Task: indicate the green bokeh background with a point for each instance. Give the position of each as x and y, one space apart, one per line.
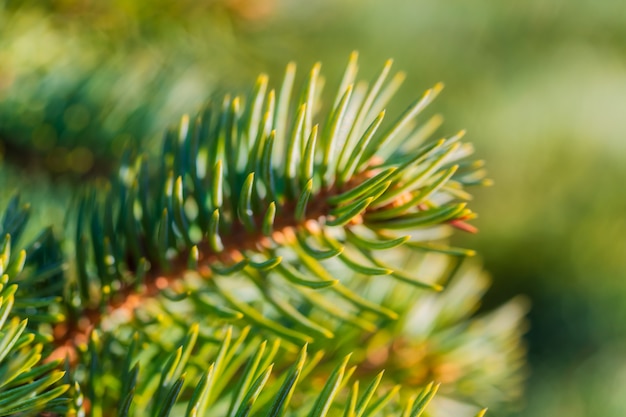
540 86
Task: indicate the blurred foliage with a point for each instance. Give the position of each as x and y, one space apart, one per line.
80 80
540 85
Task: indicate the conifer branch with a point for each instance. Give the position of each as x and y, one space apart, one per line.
266 230
279 251
130 296
27 384
223 201
257 387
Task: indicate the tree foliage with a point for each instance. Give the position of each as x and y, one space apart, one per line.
277 239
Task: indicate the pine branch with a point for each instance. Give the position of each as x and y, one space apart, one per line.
224 200
251 389
27 384
295 231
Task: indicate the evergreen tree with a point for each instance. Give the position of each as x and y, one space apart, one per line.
282 251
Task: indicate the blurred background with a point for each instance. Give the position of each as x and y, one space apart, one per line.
540 86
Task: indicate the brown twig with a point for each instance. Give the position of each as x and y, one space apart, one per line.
69 335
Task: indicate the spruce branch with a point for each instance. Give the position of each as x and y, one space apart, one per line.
241 378
270 227
27 384
223 201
